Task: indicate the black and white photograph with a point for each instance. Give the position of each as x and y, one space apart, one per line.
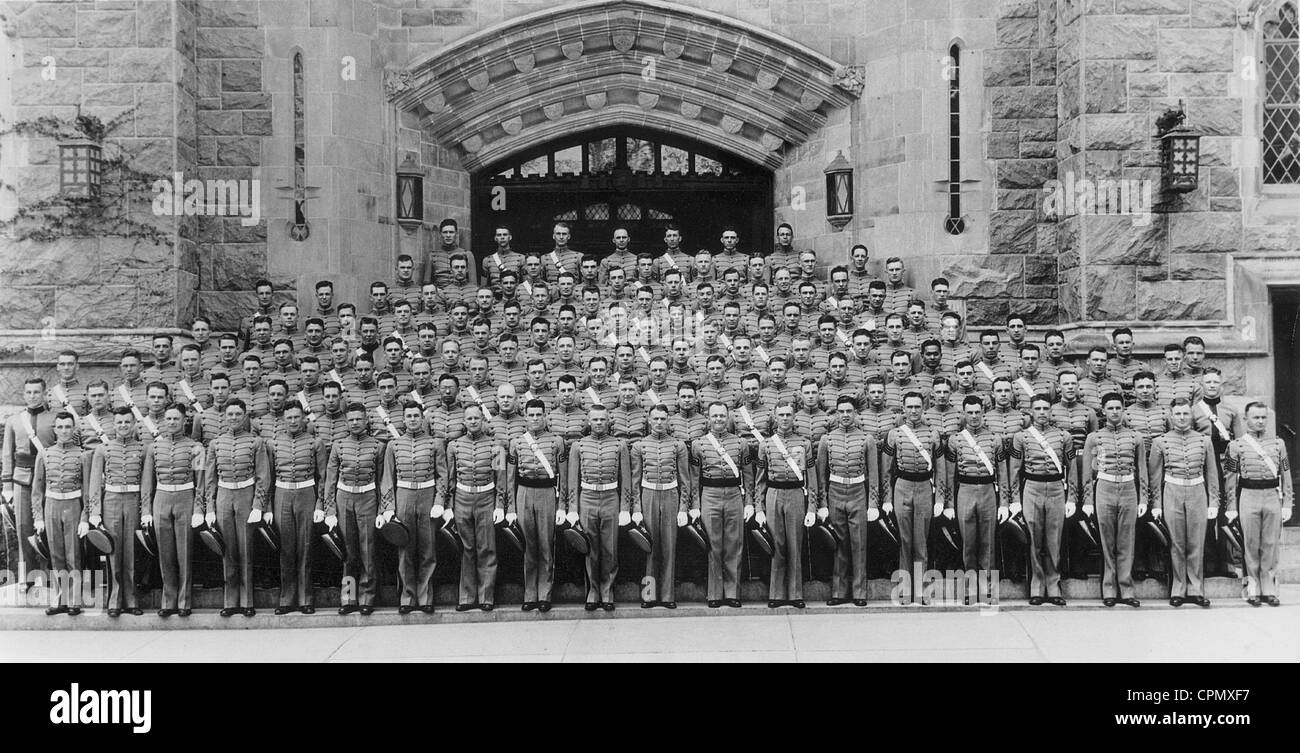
915 333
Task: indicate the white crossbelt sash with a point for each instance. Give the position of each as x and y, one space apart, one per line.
1024 385
1259 450
669 258
185 387
762 354
1051 454
731 465
31 432
473 395
653 396
979 451
388 421
558 265
595 398
537 453
125 394
911 437
95 426
496 259
1205 407
984 367
780 446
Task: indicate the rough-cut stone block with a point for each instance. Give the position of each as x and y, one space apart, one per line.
1184 85
133 253
1003 145
1148 84
47 20
1012 232
26 307
417 17
105 28
453 17
987 312
1017 8
1200 299
1120 37
1038 129
976 276
245 101
95 305
231 266
1019 199
1104 86
1006 68
237 232
1070 297
1224 181
29 88
1126 131
1197 266
230 43
1213 14
154 25
1215 116
1036 311
219 123
241 151
141 66
241 75
107 95
228 13
1040 270
226 307
1017 32
1023 102
1025 173
1152 7
1276 237
1043 68
257 124
1196 50
1118 239
1111 292
60 262
1204 232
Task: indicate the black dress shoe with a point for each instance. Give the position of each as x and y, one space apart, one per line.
427 609
733 603
309 609
487 606
1253 601
283 610
715 603
249 612
774 604
185 612
1132 602
348 608
608 606
166 612
649 604
668 604
1056 600
1200 601
114 613
405 609
1037 601
543 606
859 602
798 604
464 607
1272 601
835 601
367 610
74 611
230 611
528 606
56 610
591 606
1109 601
137 611
1176 601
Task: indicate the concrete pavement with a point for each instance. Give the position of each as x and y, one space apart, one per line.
1223 633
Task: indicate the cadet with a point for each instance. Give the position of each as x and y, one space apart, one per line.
413 484
57 479
475 466
785 474
1043 477
979 485
914 451
1185 489
723 480
298 459
535 474
27 433
238 470
350 482
600 491
113 498
167 491
1113 459
1257 475
848 483
660 476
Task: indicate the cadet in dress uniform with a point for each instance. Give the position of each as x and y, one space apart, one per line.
413 484
1185 489
979 484
298 458
535 486
113 499
170 502
723 475
57 478
600 489
914 453
1257 474
785 482
475 468
27 432
849 485
660 465
1043 476
238 472
351 480
1113 458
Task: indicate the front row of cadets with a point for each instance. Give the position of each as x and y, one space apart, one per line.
563 466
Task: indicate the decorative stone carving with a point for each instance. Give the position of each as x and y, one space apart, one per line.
525 63
771 141
720 62
673 50
435 102
647 100
767 79
623 40
553 111
479 81
595 101
513 125
472 144
851 78
572 50
397 82
690 110
731 124
809 100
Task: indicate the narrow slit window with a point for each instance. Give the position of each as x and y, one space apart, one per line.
1281 136
954 224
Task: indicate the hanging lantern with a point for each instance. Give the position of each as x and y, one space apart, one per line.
839 191
410 194
1180 149
80 163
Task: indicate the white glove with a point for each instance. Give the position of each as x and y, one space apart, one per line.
331 521
436 512
7 493
1212 512
387 516
379 521
749 511
498 515
254 516
1069 509
949 513
1286 514
572 517
809 519
39 525
823 513
682 519
83 528
873 514
1003 514
318 516
146 520
196 520
1087 510
1156 512
1231 515
888 507
938 509
511 518
447 515
1142 510
559 517
695 514
97 520
638 518
624 518
269 517
210 519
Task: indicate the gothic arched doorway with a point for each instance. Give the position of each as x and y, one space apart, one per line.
636 178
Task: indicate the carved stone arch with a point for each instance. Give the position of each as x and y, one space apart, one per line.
634 62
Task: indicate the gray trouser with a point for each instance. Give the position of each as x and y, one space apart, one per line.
62 517
786 508
848 518
171 520
356 513
419 558
660 511
1044 508
913 507
233 508
1261 529
722 512
599 512
1117 519
293 519
1185 508
121 512
478 538
977 509
537 519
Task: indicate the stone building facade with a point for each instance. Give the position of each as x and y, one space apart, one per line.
321 101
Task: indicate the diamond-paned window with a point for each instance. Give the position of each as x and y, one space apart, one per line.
1281 137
